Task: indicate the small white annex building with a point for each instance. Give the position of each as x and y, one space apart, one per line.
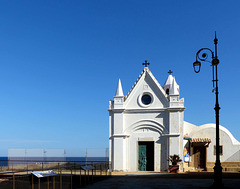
147 125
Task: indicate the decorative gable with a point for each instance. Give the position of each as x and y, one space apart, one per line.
146 93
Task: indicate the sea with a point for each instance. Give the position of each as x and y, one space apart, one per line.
4 161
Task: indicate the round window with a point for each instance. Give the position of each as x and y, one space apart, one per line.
146 99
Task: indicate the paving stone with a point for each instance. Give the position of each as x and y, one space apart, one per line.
161 181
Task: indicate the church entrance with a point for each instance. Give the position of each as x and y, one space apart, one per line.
146 156
199 157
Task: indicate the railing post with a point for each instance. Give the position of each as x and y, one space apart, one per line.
92 175
74 167
39 185
88 175
54 182
60 178
110 168
71 178
48 181
106 167
80 176
13 181
32 183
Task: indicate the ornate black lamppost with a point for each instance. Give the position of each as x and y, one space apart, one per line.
203 56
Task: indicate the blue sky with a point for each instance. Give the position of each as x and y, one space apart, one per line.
60 62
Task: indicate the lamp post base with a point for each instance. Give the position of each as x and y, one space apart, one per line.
218 176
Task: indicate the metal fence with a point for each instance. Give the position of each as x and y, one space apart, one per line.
70 175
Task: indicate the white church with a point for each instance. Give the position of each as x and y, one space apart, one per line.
147 125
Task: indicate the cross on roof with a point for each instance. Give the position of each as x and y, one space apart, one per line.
170 72
146 63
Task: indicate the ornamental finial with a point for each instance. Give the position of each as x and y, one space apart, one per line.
146 63
215 39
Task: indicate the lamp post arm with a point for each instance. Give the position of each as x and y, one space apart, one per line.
204 56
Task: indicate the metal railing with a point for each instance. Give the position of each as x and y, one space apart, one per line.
70 175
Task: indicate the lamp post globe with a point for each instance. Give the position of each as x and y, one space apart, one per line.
197 66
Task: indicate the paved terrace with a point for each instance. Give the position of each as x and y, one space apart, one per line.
147 180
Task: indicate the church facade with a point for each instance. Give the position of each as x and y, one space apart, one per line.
147 125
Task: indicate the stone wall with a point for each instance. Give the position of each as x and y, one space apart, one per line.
227 166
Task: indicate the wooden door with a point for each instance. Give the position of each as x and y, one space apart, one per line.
199 153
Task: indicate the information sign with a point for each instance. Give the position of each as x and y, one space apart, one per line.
42 174
87 167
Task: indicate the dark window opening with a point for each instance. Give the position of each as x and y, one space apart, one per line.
146 99
167 91
220 150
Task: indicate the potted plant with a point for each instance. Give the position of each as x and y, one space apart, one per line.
174 159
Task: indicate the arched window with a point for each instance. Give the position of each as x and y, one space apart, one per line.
167 91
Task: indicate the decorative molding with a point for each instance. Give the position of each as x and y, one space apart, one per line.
157 83
145 139
139 99
155 110
171 135
129 92
145 110
120 135
116 110
176 108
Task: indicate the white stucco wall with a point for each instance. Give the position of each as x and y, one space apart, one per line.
131 121
231 146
